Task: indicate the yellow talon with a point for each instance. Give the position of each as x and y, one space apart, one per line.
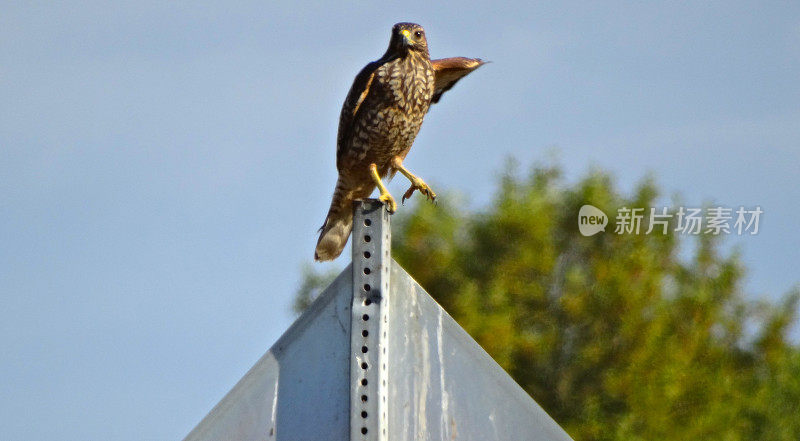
387 199
416 183
385 196
419 184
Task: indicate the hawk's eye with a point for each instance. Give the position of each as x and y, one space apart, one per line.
418 34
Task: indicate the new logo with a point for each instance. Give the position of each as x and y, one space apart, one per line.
591 220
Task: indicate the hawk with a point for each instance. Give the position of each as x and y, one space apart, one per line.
380 118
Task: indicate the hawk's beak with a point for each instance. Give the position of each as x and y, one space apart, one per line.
406 37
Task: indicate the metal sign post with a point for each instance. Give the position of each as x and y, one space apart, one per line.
371 244
376 358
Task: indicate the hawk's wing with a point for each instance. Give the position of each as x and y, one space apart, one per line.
358 92
449 71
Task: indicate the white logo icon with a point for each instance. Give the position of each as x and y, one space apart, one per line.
591 220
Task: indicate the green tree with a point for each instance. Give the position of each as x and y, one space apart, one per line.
615 335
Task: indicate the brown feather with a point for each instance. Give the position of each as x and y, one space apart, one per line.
358 92
449 71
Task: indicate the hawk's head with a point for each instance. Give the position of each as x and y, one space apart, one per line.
408 37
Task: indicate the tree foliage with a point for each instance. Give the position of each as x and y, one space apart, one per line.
617 336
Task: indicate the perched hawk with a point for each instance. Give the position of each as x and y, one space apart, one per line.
380 118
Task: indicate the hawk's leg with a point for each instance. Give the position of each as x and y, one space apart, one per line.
385 196
416 183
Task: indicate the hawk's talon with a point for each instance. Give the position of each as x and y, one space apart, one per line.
419 184
407 195
391 205
416 183
385 196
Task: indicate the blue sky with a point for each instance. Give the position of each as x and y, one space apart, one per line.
164 166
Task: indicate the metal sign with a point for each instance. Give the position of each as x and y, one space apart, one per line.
376 358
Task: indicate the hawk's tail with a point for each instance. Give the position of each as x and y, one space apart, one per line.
338 224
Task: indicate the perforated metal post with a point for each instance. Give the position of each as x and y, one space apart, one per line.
371 245
327 380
